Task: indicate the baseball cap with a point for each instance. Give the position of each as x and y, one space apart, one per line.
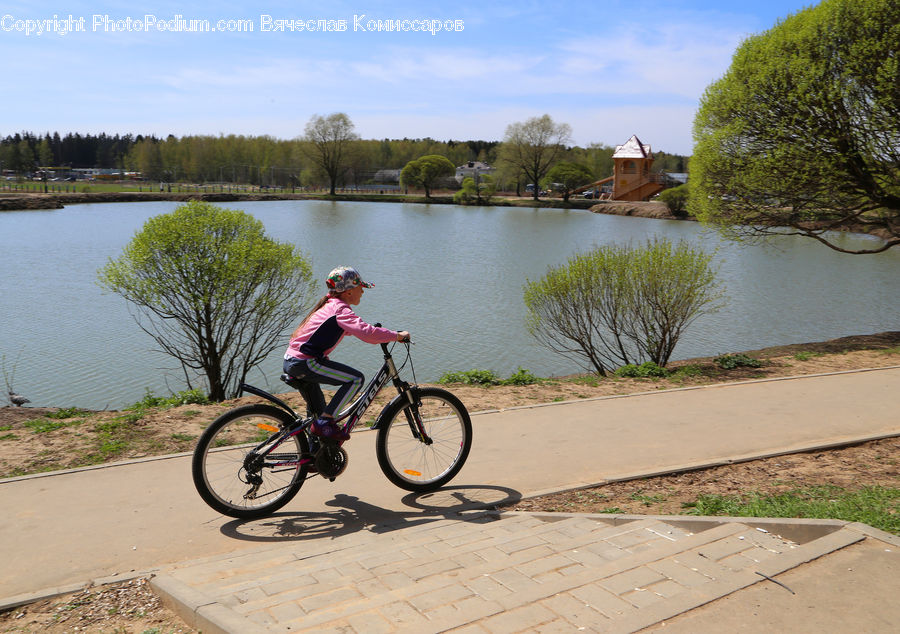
343 278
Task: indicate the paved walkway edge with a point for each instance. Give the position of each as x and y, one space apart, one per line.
698 466
198 611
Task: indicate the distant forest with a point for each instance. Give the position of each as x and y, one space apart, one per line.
261 160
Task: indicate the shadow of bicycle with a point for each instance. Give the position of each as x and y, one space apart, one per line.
352 515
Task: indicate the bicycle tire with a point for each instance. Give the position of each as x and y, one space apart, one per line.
218 463
412 464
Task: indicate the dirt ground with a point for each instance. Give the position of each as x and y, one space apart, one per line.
131 607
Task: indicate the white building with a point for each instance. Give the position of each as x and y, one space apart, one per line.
472 169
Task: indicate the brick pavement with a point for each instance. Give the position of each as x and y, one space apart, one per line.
485 573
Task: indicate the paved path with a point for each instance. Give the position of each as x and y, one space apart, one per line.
66 529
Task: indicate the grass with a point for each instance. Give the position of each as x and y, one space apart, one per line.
45 425
876 506
107 438
647 500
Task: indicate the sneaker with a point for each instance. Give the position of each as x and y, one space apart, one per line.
327 428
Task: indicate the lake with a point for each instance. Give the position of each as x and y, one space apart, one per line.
451 275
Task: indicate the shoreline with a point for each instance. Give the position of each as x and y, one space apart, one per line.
21 201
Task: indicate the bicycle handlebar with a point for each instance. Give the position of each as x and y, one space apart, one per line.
384 345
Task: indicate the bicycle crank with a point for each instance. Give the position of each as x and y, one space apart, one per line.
331 460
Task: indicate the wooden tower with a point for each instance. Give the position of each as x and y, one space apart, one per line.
632 179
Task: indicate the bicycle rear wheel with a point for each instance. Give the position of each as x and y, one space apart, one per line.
424 464
237 485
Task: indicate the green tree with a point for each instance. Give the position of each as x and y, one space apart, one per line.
566 176
329 141
533 146
803 131
621 305
212 290
475 193
676 199
22 157
424 172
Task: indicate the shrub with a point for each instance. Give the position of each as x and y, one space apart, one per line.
687 371
472 193
620 305
521 377
732 361
471 377
488 377
645 370
675 198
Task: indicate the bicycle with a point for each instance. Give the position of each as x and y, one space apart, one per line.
252 460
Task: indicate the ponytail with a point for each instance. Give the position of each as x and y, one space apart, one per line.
318 305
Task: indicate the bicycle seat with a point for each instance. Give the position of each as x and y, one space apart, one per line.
293 381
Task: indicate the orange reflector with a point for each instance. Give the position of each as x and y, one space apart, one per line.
266 427
411 472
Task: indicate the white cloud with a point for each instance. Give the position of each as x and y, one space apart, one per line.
671 59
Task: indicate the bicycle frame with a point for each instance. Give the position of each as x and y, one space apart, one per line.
352 414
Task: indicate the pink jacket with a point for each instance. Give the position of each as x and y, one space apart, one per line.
326 327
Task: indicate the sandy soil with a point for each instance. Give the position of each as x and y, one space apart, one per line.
131 607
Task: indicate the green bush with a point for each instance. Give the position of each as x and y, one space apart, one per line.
675 198
488 377
686 371
521 377
732 361
471 377
616 305
472 193
645 370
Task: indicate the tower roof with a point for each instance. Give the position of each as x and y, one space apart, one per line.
632 148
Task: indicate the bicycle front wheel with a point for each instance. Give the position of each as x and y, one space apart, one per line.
424 463
231 479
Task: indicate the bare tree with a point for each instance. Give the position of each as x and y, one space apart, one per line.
534 146
329 140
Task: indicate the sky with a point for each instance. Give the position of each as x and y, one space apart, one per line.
608 68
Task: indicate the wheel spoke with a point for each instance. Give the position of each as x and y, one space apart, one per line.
419 464
220 463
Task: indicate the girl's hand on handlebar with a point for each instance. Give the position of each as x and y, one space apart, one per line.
403 336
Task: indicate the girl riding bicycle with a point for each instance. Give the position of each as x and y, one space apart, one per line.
306 358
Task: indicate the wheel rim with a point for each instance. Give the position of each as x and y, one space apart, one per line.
416 462
223 464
